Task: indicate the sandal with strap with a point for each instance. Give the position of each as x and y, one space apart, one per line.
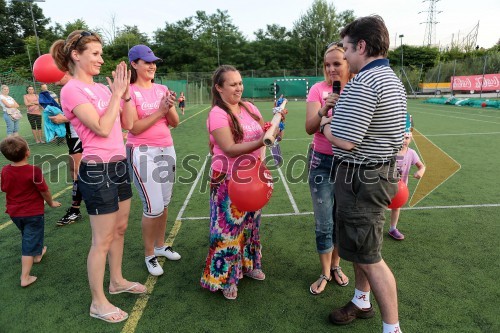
338 270
256 274
319 281
231 292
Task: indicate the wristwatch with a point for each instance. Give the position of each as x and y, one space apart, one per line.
322 127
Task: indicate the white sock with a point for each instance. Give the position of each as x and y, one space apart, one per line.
361 299
159 248
392 328
391 228
148 258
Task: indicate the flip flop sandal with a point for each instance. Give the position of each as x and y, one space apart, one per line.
108 320
130 290
231 292
338 270
256 274
320 280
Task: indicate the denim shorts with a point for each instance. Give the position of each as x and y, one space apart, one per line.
362 198
12 125
32 228
103 185
322 187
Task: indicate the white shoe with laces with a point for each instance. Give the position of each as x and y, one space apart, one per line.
154 267
167 252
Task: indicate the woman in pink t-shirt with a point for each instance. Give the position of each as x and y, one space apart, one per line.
150 148
94 111
320 102
34 114
236 130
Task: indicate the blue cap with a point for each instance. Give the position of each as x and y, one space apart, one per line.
142 52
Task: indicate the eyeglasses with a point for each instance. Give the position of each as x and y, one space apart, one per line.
338 44
83 34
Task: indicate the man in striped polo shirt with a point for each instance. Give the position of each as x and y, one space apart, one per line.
367 132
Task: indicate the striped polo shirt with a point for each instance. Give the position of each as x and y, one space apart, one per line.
371 113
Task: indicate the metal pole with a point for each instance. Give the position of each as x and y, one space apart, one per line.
402 63
482 81
34 28
316 57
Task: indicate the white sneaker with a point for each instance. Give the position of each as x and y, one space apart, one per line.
154 267
168 253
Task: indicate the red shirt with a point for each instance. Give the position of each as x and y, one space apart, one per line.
23 185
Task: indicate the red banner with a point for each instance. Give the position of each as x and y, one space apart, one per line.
491 82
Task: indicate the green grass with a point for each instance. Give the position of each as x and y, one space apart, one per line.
447 268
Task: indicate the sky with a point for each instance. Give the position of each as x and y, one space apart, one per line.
456 18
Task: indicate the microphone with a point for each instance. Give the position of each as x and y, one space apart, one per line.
335 90
336 87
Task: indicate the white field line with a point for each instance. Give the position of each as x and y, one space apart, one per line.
464 118
287 189
142 301
198 218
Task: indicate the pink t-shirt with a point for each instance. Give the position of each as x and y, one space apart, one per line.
318 92
95 148
405 162
147 102
252 130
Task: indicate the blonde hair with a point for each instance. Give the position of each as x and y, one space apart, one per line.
325 73
77 40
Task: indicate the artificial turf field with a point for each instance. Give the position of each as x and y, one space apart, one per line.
447 267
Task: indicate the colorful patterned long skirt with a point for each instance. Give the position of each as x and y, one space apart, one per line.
234 239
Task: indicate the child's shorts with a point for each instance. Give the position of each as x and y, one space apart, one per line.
32 228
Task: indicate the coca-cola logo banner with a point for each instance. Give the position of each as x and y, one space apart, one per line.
491 82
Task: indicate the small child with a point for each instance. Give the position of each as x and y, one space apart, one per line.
405 159
25 191
182 102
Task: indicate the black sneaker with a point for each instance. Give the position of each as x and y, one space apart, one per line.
69 217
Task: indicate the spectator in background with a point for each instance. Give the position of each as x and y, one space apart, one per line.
94 110
44 87
34 114
8 103
75 150
182 102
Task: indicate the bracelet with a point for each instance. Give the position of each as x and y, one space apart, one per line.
319 114
322 127
128 99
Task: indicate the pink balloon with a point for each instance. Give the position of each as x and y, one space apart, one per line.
45 69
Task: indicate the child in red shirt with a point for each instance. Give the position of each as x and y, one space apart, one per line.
25 191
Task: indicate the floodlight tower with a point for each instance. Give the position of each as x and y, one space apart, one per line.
430 30
33 19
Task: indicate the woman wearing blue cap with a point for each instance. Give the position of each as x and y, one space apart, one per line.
150 151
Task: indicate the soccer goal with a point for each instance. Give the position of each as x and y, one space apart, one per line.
291 88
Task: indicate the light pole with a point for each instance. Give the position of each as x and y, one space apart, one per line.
33 19
401 37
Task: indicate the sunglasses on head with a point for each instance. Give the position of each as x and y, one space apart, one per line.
338 44
83 34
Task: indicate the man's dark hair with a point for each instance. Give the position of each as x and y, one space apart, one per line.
14 148
372 30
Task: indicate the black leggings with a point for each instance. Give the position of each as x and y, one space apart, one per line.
35 121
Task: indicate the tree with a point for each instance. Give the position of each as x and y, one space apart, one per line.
318 27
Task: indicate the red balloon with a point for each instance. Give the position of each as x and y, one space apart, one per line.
251 187
401 196
45 69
